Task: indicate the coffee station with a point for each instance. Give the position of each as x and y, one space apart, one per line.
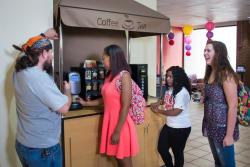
86 27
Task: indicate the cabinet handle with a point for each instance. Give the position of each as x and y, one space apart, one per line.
70 153
147 128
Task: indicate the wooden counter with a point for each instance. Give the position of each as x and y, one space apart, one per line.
88 111
85 111
81 130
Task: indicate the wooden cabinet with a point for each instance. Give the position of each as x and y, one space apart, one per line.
148 134
139 159
153 127
81 140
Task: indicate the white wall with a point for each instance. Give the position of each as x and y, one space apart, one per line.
19 20
143 51
226 35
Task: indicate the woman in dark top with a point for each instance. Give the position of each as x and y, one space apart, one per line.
220 110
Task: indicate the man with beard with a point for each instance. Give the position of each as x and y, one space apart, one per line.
39 104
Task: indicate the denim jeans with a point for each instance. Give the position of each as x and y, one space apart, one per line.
223 156
39 157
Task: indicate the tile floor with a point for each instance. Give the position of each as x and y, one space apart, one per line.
197 151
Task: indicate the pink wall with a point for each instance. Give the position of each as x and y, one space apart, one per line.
172 55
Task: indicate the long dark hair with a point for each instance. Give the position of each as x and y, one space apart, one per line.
221 64
30 58
118 61
180 79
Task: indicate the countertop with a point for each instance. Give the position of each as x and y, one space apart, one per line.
88 111
85 111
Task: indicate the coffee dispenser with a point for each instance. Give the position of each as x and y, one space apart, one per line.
75 82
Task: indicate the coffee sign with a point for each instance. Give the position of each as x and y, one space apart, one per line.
126 24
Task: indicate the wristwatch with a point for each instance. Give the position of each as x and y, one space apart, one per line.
43 35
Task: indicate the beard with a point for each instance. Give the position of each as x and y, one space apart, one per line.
47 66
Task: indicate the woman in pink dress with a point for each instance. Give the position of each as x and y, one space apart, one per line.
119 138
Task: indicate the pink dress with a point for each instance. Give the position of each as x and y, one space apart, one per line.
128 145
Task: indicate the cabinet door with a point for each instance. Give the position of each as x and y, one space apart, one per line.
139 159
81 138
106 161
155 123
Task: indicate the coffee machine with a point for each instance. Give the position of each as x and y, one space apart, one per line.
92 78
75 82
140 76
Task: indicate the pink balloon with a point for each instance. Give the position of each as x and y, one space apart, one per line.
187 40
209 26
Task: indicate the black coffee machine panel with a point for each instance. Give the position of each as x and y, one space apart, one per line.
140 76
101 77
92 79
90 83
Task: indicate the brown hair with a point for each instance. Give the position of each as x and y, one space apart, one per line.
118 61
31 57
222 66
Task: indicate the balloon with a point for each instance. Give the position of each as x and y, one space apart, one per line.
170 35
209 40
187 40
209 34
171 42
209 26
188 53
187 29
188 47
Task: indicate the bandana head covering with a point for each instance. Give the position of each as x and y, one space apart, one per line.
37 42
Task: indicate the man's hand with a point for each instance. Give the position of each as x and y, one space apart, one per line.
67 88
51 34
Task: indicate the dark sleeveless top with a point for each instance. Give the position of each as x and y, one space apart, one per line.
214 123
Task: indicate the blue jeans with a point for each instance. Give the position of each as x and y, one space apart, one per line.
223 156
39 157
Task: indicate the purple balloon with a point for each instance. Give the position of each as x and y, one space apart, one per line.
209 34
188 47
170 35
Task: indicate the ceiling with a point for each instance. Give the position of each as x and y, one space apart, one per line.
198 12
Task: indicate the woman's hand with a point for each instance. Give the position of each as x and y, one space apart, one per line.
115 138
154 107
160 102
228 141
81 101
